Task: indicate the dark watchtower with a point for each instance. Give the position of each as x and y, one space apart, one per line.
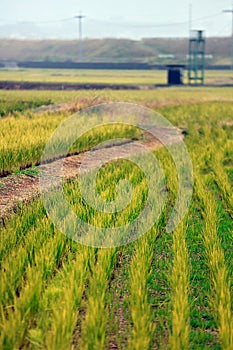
196 65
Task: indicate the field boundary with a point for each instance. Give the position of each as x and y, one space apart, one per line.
16 85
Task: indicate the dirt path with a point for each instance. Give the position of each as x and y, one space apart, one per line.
17 85
16 189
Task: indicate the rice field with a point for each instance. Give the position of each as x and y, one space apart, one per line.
85 76
165 290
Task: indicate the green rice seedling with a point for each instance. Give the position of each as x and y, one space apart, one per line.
222 180
220 299
16 231
17 105
93 334
179 280
21 257
140 309
22 139
17 317
179 266
65 306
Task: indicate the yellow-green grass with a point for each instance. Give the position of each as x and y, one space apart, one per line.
23 136
156 98
20 313
143 77
63 297
177 286
8 107
82 76
97 306
180 333
140 309
222 179
221 290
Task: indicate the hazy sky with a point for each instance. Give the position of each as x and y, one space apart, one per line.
105 18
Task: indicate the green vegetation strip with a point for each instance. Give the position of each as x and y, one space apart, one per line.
179 338
95 320
17 316
140 309
16 106
59 306
221 298
22 140
223 181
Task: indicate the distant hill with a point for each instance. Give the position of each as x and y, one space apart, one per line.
148 50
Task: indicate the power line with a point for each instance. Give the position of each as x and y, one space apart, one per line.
139 25
121 24
55 21
36 22
157 25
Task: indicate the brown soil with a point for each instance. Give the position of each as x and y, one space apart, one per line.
17 85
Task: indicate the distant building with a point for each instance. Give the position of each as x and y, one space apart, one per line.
167 56
8 64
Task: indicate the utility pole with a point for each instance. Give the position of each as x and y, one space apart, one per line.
80 17
231 11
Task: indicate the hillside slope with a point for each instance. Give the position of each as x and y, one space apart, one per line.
111 50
